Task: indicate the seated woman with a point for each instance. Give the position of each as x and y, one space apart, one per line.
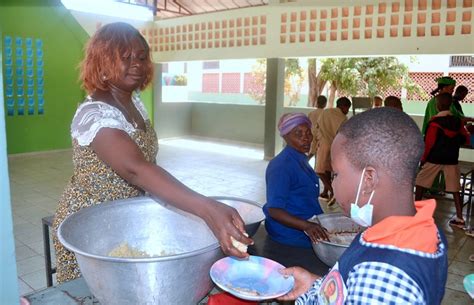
293 187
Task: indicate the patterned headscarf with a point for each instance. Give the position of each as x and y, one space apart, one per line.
288 121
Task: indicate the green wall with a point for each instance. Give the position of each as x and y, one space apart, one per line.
63 41
173 119
147 97
244 123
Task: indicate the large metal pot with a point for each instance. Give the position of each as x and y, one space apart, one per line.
179 278
329 252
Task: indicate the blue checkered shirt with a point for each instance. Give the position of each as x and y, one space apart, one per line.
373 283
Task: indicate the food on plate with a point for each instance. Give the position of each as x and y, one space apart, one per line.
237 244
246 291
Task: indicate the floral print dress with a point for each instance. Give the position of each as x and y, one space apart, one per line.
93 181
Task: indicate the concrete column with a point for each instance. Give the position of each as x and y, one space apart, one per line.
157 90
274 95
8 277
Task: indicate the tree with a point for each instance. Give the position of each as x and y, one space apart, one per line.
315 83
294 79
341 75
367 76
256 88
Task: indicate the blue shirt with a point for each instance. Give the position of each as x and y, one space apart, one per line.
292 185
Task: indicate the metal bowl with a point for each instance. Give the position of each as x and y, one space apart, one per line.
250 211
329 252
181 277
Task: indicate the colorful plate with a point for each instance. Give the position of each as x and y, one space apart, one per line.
469 284
255 279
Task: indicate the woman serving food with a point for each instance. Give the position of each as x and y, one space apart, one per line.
115 146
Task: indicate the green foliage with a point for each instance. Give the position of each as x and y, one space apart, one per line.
367 76
294 78
379 74
352 76
342 74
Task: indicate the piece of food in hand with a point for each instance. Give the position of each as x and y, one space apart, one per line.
238 245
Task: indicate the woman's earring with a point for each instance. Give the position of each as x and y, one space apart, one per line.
104 78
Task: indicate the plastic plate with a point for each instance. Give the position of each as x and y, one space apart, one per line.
469 284
255 279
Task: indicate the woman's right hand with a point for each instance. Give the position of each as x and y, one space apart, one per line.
303 281
225 221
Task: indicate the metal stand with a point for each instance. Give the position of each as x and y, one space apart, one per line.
47 222
467 176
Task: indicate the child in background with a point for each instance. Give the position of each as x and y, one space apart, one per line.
402 256
459 94
394 102
445 134
446 84
328 124
314 117
378 101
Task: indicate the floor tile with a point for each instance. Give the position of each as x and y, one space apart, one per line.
454 282
36 280
463 255
461 268
29 265
23 252
38 247
24 228
24 288
32 237
454 297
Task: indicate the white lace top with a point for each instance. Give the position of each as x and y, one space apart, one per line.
92 115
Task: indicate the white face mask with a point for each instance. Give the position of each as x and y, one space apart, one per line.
362 215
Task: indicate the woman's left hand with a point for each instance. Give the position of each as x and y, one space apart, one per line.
225 221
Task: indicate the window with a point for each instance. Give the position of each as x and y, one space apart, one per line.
210 65
461 61
225 81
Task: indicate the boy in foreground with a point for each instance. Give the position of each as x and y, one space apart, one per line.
402 256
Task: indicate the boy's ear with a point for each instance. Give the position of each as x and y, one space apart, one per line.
371 179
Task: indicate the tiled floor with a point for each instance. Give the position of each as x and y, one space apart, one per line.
212 168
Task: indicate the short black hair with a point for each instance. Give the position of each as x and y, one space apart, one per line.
461 90
392 101
443 101
322 101
384 138
343 102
